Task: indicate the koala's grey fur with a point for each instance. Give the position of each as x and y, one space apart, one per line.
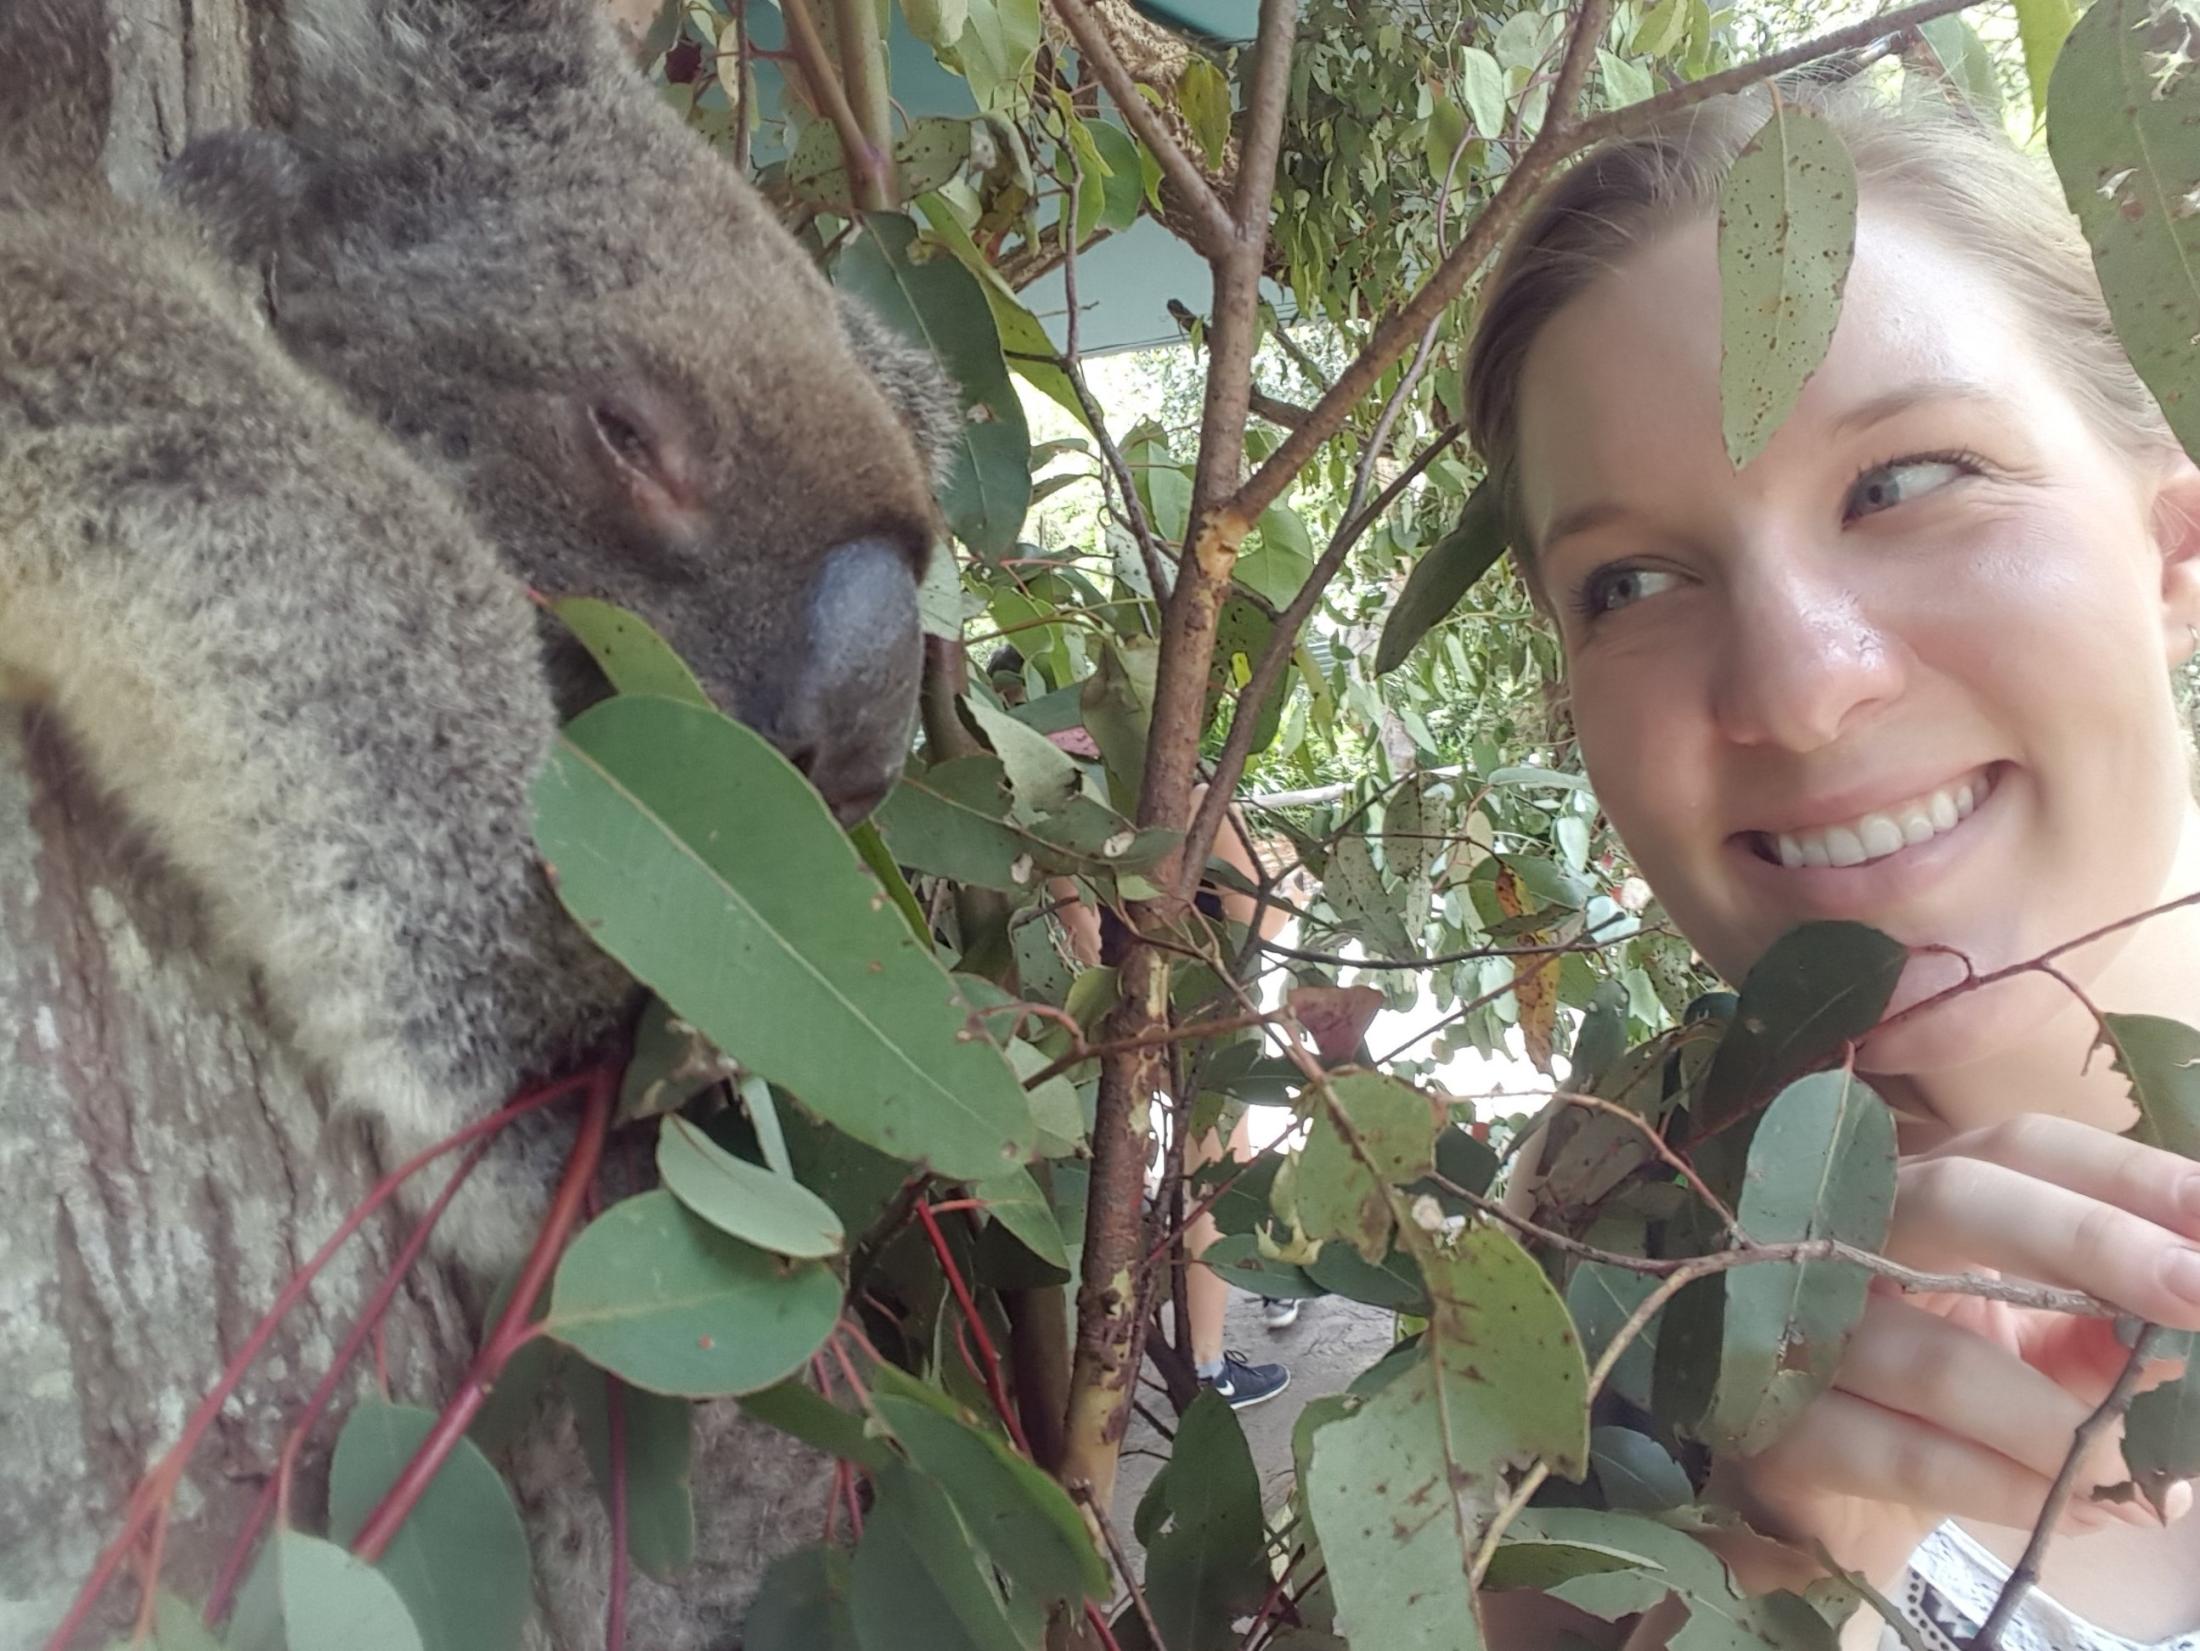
273 581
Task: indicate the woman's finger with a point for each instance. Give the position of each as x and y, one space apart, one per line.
1905 1359
2152 1184
1844 1445
1953 1213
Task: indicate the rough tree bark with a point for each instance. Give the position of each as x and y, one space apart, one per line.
165 1164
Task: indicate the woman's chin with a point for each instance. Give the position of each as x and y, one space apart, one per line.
1941 1028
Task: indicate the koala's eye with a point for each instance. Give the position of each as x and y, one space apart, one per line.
623 437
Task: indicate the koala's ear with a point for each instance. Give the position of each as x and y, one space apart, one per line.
247 190
53 112
924 396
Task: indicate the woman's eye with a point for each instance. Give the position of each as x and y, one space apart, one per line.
1886 485
1610 589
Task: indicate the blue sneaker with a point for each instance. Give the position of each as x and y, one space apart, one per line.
1244 1384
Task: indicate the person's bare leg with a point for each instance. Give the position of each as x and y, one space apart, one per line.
1206 1293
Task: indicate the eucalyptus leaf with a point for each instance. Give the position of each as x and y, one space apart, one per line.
773 1212
658 1448
632 656
802 1605
2042 27
310 1595
695 853
460 1560
915 1583
1635 1473
1821 1166
1446 571
1817 988
1019 1516
2123 127
1208 1565
674 1306
1787 230
2161 1057
941 306
1403 1491
1370 1132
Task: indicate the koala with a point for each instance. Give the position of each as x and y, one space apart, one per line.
267 543
269 561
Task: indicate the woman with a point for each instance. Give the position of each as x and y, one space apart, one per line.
1911 667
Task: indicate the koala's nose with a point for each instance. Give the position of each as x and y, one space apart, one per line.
848 715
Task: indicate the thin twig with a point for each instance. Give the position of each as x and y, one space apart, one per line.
866 176
2026 1576
1099 1517
1651 112
1440 959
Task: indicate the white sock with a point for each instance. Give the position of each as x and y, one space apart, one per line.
1208 1372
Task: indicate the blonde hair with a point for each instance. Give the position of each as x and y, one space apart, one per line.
1971 188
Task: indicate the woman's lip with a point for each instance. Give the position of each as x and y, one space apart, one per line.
1840 808
1859 891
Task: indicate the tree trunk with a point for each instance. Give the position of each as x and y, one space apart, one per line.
165 1164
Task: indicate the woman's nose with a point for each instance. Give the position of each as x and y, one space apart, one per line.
1803 661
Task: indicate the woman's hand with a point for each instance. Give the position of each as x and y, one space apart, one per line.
1952 1406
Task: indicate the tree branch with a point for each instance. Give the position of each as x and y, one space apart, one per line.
870 174
1395 335
1637 118
1263 122
1211 220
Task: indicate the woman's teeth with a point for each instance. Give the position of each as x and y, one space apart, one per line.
1876 835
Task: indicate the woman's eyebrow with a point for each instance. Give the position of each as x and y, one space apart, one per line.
1581 519
1905 397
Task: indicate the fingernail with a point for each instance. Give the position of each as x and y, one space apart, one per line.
2181 1272
2177 1501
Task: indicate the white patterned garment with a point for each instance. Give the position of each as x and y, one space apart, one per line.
1952 1583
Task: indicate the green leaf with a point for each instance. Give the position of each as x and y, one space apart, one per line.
940 305
938 23
310 1595
1635 1473
996 50
672 1063
1821 1165
802 1605
1124 191
2161 1057
1031 354
915 1583
1787 229
1969 68
1042 777
694 852
1720 1618
2043 26
1544 1565
1203 97
177 1627
658 1435
460 1560
803 1413
1237 1259
1019 1516
1017 1203
632 656
1387 1135
1208 1566
674 1306
931 153
1447 130
1363 899
1394 1284
1816 989
1403 1491
773 1212
1661 29
1624 82
1482 89
2162 1433
1601 1299
1443 575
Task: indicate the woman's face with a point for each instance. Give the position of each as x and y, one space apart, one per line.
1908 667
